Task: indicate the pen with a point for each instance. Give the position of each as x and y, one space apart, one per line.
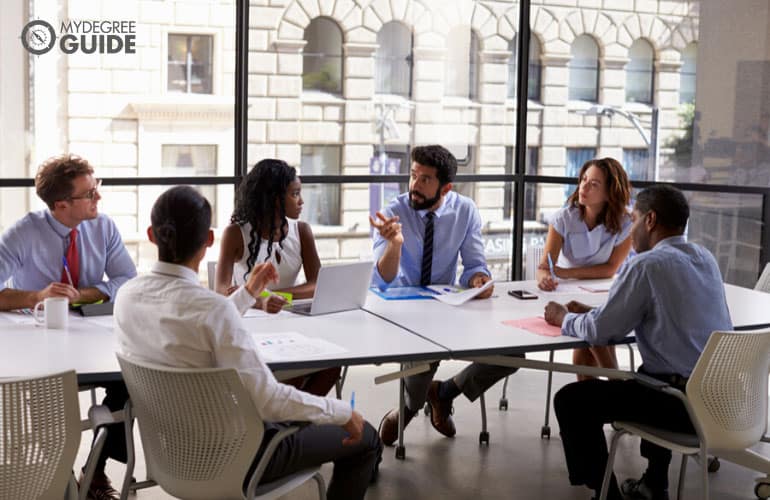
353 400
550 266
66 268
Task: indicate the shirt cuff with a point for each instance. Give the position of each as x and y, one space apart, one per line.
242 300
341 411
378 280
567 325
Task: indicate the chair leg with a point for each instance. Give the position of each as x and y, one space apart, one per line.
610 464
631 357
130 453
503 405
400 449
705 474
483 435
545 431
682 473
93 456
319 479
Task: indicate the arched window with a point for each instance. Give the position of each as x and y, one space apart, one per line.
462 63
639 72
393 60
322 58
533 73
687 74
584 70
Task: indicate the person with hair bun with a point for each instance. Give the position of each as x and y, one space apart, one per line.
166 317
589 239
265 228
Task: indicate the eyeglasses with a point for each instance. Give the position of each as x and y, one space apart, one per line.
90 194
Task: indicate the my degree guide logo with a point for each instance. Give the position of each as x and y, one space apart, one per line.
85 36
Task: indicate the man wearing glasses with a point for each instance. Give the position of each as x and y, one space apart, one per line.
66 251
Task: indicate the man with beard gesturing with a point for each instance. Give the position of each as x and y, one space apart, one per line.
407 256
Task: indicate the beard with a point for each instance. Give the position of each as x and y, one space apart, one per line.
426 202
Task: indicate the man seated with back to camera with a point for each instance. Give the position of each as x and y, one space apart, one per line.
167 317
671 295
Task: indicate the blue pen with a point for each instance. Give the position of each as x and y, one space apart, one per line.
353 400
66 268
550 266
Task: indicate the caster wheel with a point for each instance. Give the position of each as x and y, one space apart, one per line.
484 438
426 409
400 453
713 464
545 432
503 405
762 491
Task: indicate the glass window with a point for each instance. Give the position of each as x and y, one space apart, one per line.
190 61
584 70
533 72
687 74
393 60
576 157
530 190
322 58
636 163
183 160
639 73
322 201
462 63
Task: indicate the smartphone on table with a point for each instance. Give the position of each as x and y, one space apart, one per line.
522 294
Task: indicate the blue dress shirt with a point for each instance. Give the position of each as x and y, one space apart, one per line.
31 253
671 296
456 231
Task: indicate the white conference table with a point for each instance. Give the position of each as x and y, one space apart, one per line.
88 345
476 328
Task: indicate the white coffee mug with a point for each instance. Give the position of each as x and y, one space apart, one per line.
55 312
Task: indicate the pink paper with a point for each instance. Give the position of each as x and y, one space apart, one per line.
536 325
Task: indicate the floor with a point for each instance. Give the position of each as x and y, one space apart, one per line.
516 464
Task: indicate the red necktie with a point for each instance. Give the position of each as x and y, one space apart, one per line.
73 261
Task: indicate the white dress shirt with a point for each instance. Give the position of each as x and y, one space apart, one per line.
166 317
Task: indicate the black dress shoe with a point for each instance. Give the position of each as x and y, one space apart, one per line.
440 412
638 489
389 426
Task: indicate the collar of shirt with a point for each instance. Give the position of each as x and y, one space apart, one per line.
57 226
671 240
175 270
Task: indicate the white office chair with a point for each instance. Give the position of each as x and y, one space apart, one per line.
763 283
211 274
201 432
727 403
40 425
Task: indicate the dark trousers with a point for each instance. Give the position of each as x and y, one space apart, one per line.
314 445
115 399
583 408
473 381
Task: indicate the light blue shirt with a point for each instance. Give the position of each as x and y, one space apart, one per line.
31 253
672 297
456 231
583 247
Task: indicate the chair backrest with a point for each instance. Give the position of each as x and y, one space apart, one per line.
199 428
40 426
728 389
763 283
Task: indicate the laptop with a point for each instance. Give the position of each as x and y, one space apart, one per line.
341 287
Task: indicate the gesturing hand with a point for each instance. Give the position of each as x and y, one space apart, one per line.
388 227
261 276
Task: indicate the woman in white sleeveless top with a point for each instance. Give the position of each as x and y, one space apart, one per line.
589 239
264 228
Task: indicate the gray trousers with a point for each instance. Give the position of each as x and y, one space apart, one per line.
314 445
473 381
